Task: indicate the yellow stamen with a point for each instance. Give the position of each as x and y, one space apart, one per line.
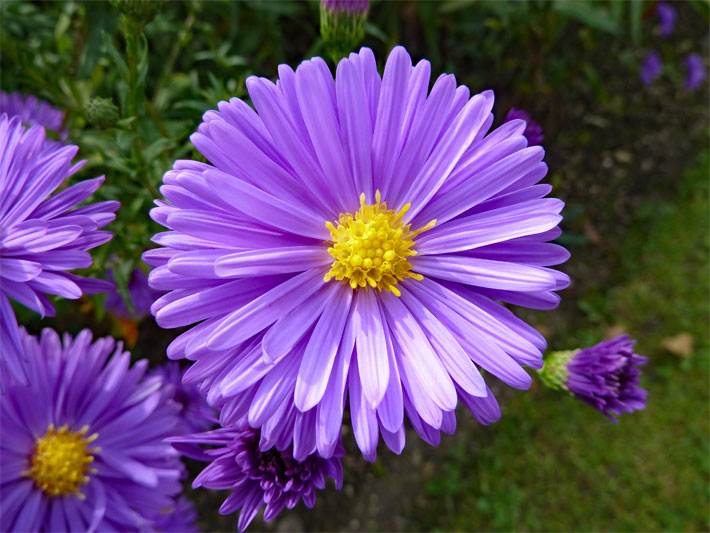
371 248
60 461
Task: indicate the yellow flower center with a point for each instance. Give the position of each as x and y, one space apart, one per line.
60 461
371 248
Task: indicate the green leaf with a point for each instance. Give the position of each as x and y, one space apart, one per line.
587 12
114 55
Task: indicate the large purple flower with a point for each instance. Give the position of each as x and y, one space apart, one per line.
81 446
42 236
350 238
33 111
195 414
258 475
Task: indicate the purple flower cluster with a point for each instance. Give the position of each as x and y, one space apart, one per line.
32 111
606 376
82 444
533 131
42 236
258 476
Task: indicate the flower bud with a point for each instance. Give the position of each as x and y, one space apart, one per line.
102 113
342 25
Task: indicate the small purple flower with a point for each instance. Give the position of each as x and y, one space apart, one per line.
605 376
697 71
533 131
352 239
33 111
180 518
651 67
349 6
42 237
195 414
82 444
142 296
666 18
258 475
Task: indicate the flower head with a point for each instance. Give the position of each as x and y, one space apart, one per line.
42 237
651 67
142 296
697 71
605 376
195 414
666 18
258 475
350 239
533 130
342 25
81 446
33 111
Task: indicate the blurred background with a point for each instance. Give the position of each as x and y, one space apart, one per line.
626 134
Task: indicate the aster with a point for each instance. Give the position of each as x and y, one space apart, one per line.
258 476
533 131
666 18
351 239
604 376
82 444
697 71
195 414
33 111
142 296
651 67
42 237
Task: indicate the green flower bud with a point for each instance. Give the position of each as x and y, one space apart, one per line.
141 11
102 113
342 25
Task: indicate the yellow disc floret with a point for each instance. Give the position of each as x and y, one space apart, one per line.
60 461
372 247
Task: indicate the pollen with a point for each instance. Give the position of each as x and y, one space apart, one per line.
60 461
372 247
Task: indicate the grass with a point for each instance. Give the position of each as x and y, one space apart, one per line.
553 464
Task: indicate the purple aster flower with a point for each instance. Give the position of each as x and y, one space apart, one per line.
533 131
605 376
82 445
697 70
350 239
195 414
651 67
666 18
33 111
258 474
42 236
142 296
180 518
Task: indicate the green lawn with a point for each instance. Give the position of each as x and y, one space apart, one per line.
553 464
